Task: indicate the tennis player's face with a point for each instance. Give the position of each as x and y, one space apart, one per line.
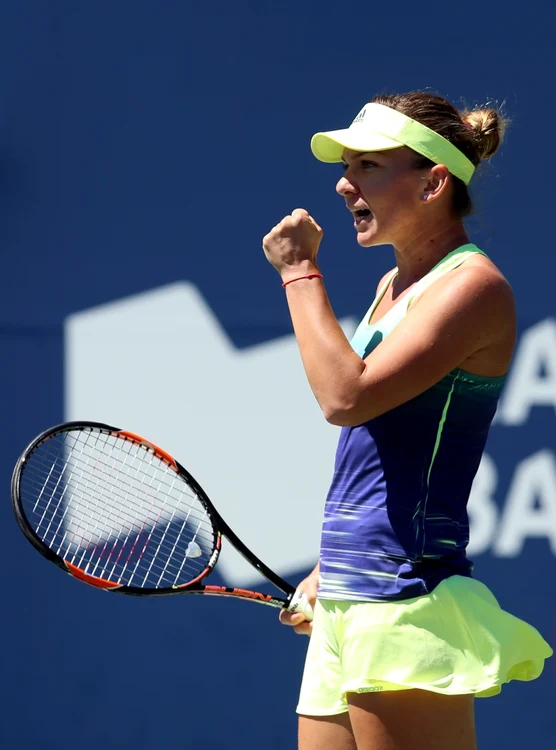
383 191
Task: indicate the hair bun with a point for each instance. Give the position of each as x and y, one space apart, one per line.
488 128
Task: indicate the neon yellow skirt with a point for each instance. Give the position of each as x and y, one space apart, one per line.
456 640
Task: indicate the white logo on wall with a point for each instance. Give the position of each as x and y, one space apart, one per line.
246 424
529 509
243 422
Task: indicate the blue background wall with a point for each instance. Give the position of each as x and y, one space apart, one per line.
143 143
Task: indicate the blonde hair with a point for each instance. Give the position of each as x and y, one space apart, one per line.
488 128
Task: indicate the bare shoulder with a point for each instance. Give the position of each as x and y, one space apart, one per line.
477 283
477 296
480 282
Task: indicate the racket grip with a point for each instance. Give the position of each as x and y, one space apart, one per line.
300 603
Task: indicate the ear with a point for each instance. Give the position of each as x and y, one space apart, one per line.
435 183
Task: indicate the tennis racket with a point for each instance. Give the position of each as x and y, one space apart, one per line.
117 512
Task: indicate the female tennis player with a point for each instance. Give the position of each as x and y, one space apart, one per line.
403 637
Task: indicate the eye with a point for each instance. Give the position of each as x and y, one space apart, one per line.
364 164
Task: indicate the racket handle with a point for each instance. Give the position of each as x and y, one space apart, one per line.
300 603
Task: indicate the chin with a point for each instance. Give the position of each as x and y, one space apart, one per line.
368 239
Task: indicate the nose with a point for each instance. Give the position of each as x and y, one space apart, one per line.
344 186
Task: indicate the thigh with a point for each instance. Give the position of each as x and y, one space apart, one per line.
326 733
412 719
321 688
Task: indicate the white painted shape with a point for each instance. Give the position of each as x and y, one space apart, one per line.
532 379
482 508
530 510
243 422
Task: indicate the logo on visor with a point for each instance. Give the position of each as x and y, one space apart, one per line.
360 117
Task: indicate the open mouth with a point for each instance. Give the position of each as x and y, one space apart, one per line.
362 214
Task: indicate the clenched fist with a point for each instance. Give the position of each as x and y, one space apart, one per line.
293 244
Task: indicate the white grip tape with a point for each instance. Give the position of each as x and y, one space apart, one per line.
300 603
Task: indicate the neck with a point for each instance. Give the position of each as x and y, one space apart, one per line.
425 250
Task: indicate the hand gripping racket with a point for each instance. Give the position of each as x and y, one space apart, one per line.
119 513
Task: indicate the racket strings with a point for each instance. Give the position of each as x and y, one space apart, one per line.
102 482
87 516
126 545
116 510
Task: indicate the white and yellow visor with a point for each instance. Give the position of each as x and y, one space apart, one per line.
381 128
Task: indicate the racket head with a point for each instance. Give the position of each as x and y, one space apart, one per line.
115 511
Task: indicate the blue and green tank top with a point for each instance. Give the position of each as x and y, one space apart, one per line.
395 522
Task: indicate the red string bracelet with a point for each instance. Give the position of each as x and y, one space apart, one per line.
309 276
